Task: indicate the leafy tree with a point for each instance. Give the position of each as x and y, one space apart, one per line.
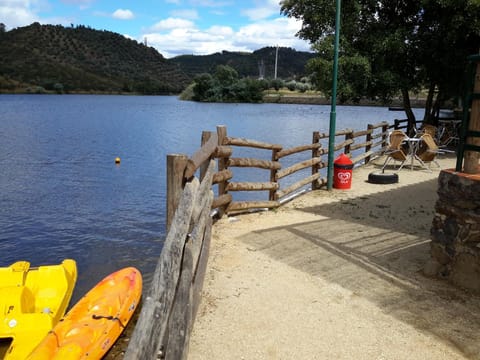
225 86
354 72
402 45
202 85
226 75
276 84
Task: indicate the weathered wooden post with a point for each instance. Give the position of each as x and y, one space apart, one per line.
471 157
316 153
396 124
348 136
368 140
176 164
273 176
206 135
222 165
384 135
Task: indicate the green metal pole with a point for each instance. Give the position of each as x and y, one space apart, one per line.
333 114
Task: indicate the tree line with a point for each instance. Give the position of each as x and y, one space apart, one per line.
54 58
226 85
392 47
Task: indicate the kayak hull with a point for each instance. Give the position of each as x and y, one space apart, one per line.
92 326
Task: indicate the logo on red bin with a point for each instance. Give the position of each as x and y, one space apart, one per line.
344 177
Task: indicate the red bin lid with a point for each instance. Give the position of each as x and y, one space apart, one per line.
343 160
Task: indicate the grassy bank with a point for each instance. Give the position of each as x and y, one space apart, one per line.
316 98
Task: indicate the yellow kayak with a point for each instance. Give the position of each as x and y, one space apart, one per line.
91 326
32 301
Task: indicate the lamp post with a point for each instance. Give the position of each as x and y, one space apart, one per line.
333 115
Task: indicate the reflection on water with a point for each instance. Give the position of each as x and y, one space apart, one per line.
63 196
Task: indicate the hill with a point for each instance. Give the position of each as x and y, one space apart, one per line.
290 64
53 58
82 59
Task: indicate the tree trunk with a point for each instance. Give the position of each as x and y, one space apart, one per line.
436 108
408 111
427 117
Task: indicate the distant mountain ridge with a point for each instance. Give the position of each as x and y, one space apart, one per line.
290 63
80 59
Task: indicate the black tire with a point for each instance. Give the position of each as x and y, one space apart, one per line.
382 178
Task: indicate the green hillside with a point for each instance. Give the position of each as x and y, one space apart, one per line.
290 64
53 58
83 59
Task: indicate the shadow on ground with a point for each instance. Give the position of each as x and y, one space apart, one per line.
369 246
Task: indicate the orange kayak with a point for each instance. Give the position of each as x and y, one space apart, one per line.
93 325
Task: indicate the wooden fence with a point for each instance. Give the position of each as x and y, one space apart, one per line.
360 146
169 307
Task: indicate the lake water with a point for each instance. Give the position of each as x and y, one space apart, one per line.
63 196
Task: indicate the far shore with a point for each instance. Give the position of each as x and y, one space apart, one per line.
313 99
280 97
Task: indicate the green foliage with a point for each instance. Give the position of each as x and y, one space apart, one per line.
226 75
225 86
390 47
60 59
276 84
354 75
80 59
290 65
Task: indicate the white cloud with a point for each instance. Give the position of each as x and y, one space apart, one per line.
82 4
172 23
211 3
172 39
77 2
279 31
15 13
191 14
123 14
263 10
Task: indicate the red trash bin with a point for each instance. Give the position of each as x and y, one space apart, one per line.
342 172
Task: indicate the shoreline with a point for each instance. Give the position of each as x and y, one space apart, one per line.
321 100
271 98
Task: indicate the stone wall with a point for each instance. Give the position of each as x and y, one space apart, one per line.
455 232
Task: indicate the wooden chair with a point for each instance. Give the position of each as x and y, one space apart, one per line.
429 129
395 150
428 150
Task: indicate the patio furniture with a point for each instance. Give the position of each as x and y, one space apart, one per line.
395 150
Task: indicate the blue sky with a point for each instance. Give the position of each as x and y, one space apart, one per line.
173 27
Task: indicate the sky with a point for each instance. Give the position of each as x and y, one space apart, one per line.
173 27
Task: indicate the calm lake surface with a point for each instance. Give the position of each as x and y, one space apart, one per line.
63 196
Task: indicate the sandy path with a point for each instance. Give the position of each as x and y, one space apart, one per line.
335 275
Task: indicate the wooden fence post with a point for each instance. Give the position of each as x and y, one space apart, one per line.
176 164
316 153
273 176
204 167
348 136
384 135
368 139
222 165
396 124
470 164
